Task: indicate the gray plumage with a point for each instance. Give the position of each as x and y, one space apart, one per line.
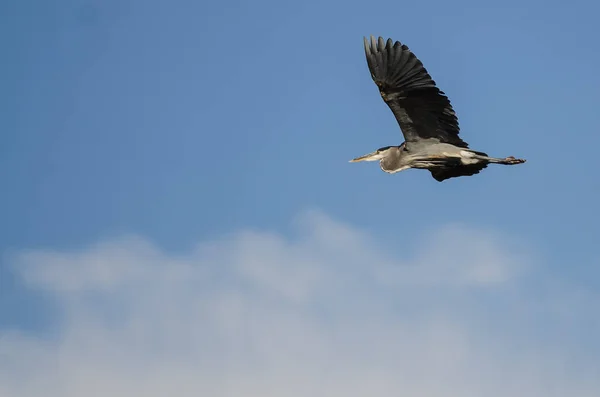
425 115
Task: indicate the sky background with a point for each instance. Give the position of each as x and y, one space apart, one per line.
176 199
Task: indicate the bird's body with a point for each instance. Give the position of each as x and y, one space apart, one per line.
425 115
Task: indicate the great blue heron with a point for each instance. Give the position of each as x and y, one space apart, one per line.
425 115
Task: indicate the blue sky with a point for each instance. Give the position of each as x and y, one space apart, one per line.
186 123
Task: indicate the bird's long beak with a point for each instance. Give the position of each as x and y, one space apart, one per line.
366 157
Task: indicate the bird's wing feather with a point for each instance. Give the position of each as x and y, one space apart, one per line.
421 109
441 174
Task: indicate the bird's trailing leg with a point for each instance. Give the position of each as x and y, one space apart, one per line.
510 160
473 157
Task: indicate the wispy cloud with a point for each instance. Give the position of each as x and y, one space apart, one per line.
327 312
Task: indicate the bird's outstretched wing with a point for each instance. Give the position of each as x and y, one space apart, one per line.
441 174
421 109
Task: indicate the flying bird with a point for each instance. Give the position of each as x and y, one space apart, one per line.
425 115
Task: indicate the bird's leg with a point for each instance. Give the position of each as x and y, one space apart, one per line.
510 160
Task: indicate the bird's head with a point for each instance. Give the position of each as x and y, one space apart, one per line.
376 155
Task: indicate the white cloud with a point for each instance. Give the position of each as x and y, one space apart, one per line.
329 312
